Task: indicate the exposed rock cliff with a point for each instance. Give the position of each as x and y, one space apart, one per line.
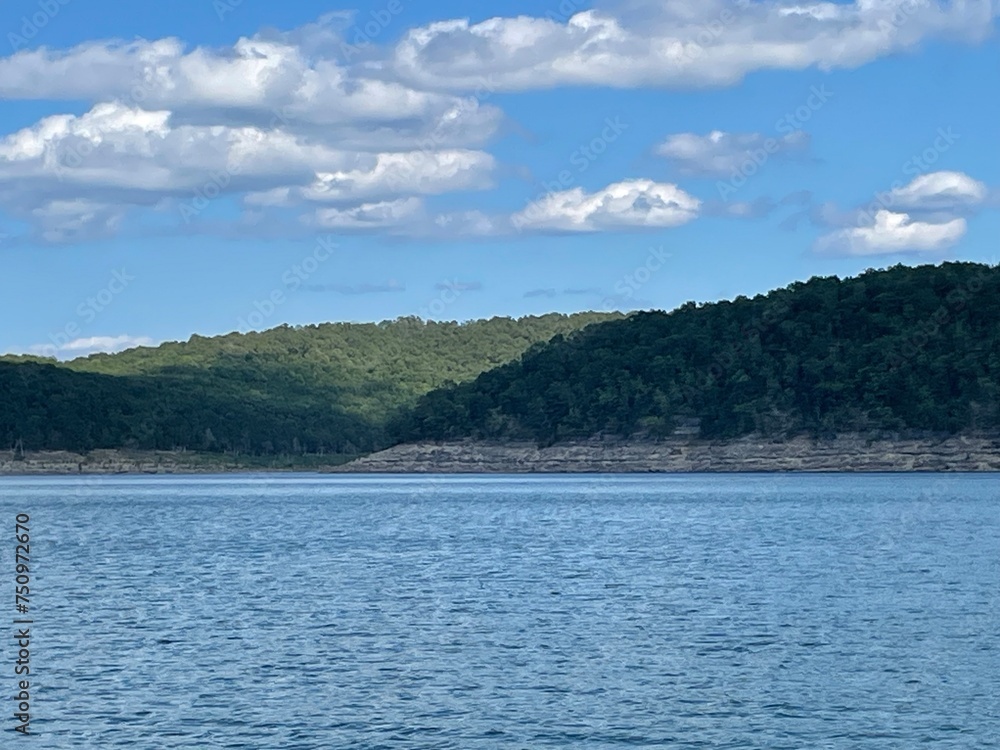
103 462
845 453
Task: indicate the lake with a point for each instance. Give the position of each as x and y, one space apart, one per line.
694 611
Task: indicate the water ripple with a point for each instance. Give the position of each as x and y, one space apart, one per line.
509 612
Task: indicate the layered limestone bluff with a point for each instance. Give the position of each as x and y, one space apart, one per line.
841 454
101 462
612 455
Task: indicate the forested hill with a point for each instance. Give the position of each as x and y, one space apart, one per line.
327 387
901 350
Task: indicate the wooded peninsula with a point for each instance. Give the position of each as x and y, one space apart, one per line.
908 353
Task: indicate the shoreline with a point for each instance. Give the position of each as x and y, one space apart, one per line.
843 454
111 462
846 453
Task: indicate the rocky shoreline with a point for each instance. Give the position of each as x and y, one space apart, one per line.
105 462
58 463
841 454
852 453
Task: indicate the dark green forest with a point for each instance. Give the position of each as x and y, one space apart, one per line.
905 350
324 388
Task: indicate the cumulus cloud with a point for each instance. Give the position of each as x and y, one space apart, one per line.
275 120
410 218
75 219
379 215
631 204
927 214
374 175
721 154
623 206
287 125
113 147
684 43
76 176
940 190
893 233
257 81
83 347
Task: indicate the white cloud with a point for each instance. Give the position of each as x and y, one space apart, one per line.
684 43
624 205
372 216
76 177
940 190
929 211
413 173
628 205
722 154
115 147
275 119
893 233
260 82
409 217
83 347
282 120
62 221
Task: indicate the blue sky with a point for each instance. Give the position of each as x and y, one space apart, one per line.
208 166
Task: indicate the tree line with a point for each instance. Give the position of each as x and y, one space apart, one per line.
327 388
903 350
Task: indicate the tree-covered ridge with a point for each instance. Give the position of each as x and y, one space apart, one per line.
326 387
906 349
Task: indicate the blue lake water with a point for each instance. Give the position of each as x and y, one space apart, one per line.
728 611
